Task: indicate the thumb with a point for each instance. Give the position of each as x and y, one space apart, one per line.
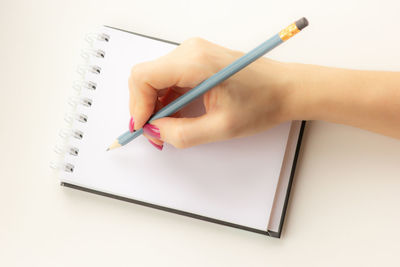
187 132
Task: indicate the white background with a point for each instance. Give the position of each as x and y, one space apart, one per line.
344 208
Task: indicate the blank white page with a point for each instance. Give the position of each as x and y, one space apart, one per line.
233 181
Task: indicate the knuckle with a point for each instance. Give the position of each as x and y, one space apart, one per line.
228 125
137 72
136 79
194 41
200 55
197 49
180 138
134 70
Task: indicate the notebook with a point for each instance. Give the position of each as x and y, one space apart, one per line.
242 183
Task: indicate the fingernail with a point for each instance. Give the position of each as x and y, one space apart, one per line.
152 130
131 125
159 147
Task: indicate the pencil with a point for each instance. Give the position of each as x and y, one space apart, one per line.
216 79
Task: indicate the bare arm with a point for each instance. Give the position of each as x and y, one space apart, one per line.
257 98
364 99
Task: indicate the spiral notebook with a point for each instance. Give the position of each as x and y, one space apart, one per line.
242 183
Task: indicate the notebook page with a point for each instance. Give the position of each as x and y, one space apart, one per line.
233 181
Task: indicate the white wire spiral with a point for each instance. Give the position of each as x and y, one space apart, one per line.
82 100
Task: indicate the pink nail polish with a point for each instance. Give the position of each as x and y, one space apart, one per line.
159 147
152 131
131 125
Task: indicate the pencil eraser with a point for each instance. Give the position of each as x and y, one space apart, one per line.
301 23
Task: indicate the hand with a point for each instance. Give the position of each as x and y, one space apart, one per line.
251 101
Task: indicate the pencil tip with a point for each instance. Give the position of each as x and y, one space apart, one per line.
116 144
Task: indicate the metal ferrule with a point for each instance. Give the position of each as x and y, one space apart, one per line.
289 32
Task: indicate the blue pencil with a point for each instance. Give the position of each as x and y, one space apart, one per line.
217 78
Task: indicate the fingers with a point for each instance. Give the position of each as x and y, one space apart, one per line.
145 81
143 99
168 95
158 144
187 132
184 67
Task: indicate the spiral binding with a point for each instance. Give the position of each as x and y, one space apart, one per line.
66 149
69 118
87 53
84 90
67 133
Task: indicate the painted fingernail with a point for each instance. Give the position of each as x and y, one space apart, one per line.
159 147
131 125
152 131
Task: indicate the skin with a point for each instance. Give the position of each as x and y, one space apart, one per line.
258 97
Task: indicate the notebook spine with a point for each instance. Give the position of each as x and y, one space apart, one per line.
80 103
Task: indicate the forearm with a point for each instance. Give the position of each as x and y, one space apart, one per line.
364 99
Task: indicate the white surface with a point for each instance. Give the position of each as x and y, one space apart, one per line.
234 181
344 208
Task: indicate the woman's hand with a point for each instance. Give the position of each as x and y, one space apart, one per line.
253 100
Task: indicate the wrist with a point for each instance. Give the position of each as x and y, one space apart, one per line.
290 83
301 99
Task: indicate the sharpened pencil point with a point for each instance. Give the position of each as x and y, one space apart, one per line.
116 144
